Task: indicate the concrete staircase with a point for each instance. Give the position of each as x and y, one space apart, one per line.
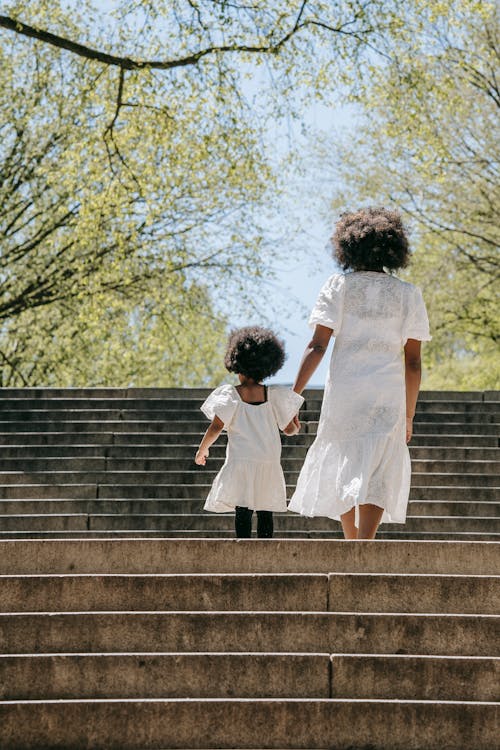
109 462
117 634
183 643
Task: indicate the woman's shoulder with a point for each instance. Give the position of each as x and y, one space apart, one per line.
335 280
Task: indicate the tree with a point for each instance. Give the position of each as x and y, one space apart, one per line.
133 159
428 142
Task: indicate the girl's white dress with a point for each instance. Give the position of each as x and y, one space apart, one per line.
360 453
251 476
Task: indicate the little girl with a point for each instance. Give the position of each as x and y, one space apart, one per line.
252 414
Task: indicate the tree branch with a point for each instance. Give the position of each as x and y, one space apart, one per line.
127 63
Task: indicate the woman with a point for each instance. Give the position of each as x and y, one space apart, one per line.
358 469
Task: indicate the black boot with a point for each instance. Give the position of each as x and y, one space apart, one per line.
243 522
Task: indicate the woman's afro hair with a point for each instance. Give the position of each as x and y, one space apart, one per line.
255 352
371 239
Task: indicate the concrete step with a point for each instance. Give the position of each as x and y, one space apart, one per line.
334 592
420 677
132 438
244 723
191 415
228 632
225 535
215 522
166 592
24 453
181 506
190 405
247 556
483 426
458 508
248 675
170 675
169 464
151 392
203 475
200 491
413 593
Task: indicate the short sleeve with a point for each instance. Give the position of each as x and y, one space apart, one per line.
221 403
285 404
330 304
416 323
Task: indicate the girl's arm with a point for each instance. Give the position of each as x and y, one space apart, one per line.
312 356
413 371
209 437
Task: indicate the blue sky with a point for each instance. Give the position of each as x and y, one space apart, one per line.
299 280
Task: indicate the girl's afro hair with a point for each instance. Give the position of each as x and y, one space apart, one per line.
371 239
255 352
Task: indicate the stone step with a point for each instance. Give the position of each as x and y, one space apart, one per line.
244 723
225 522
248 675
188 506
202 393
187 405
334 592
483 426
221 535
227 632
165 592
173 675
202 475
40 453
199 491
165 439
419 677
169 464
247 556
176 412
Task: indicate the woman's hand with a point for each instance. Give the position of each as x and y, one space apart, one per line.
292 427
409 428
201 457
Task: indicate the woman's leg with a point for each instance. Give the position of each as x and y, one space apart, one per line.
347 520
265 525
369 519
243 522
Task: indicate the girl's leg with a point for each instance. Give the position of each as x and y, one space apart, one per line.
243 522
348 527
265 525
369 519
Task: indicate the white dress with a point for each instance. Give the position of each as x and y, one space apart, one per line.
360 453
251 476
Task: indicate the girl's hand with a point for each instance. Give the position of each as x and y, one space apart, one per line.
201 457
292 427
409 428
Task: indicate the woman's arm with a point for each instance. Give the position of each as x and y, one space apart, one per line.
312 356
413 372
209 437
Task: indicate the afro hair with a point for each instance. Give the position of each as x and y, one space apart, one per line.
371 239
254 352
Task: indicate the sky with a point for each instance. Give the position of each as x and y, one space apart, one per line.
299 280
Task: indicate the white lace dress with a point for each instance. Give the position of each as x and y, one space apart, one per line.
251 476
360 453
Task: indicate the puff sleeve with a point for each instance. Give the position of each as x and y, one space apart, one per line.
221 403
285 404
416 322
330 304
